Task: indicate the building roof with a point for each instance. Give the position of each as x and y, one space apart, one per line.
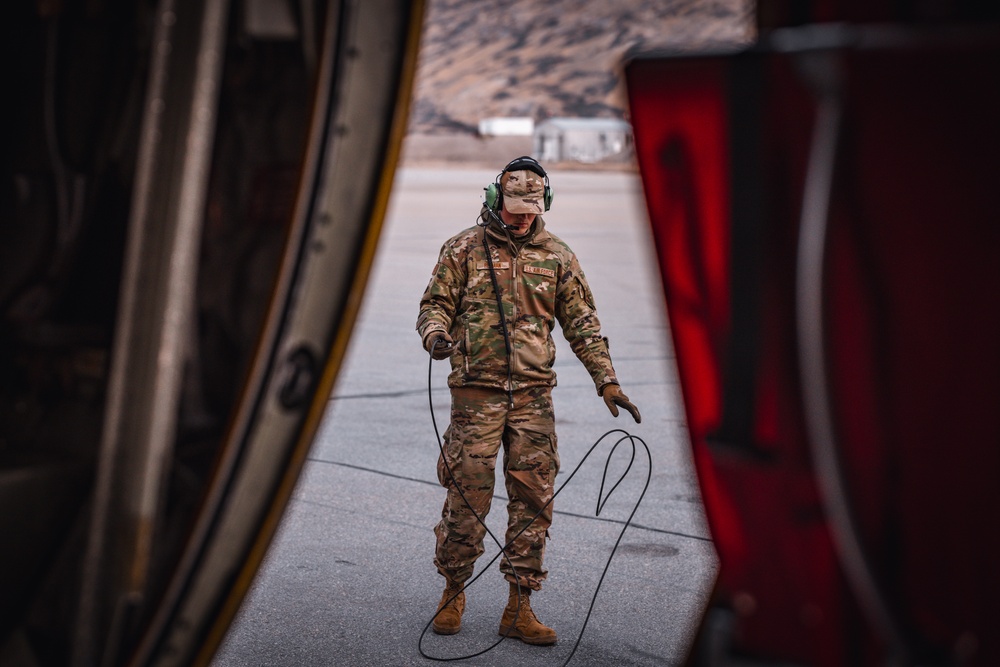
585 124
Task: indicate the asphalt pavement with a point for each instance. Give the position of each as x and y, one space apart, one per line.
349 579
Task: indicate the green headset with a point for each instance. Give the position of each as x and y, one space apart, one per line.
494 194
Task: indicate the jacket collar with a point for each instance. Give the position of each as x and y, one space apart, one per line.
537 236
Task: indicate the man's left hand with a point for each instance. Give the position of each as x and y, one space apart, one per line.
613 397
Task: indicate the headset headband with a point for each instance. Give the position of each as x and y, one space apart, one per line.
525 162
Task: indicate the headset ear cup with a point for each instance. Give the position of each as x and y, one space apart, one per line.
492 197
547 197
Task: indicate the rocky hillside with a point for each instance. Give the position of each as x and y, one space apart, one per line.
543 58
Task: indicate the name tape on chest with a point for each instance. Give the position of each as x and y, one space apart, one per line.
483 265
540 271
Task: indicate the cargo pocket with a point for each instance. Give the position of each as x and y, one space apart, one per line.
486 358
554 448
453 450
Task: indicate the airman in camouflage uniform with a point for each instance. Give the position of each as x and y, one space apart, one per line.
498 400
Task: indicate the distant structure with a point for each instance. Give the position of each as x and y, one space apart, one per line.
515 126
585 140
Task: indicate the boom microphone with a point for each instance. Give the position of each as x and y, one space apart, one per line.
495 217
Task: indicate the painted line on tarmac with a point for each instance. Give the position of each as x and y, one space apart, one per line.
638 526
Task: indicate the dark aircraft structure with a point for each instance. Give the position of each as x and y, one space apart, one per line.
192 196
826 209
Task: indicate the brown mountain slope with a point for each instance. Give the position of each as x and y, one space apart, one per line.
484 58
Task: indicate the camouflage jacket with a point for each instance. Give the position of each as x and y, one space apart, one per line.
541 282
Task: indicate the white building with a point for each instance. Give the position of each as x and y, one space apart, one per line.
583 139
515 126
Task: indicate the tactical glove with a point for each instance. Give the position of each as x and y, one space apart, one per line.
439 344
613 397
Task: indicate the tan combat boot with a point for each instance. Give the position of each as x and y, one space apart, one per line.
449 618
522 623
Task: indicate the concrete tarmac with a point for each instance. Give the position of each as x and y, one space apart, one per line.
349 579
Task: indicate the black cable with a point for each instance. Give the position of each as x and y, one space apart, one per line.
502 552
601 501
503 319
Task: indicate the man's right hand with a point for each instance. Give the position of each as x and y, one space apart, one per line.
440 345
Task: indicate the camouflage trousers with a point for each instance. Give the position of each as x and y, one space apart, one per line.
482 421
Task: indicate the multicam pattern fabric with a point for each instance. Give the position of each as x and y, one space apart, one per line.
523 191
541 282
481 420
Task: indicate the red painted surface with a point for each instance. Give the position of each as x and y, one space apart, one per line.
912 304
